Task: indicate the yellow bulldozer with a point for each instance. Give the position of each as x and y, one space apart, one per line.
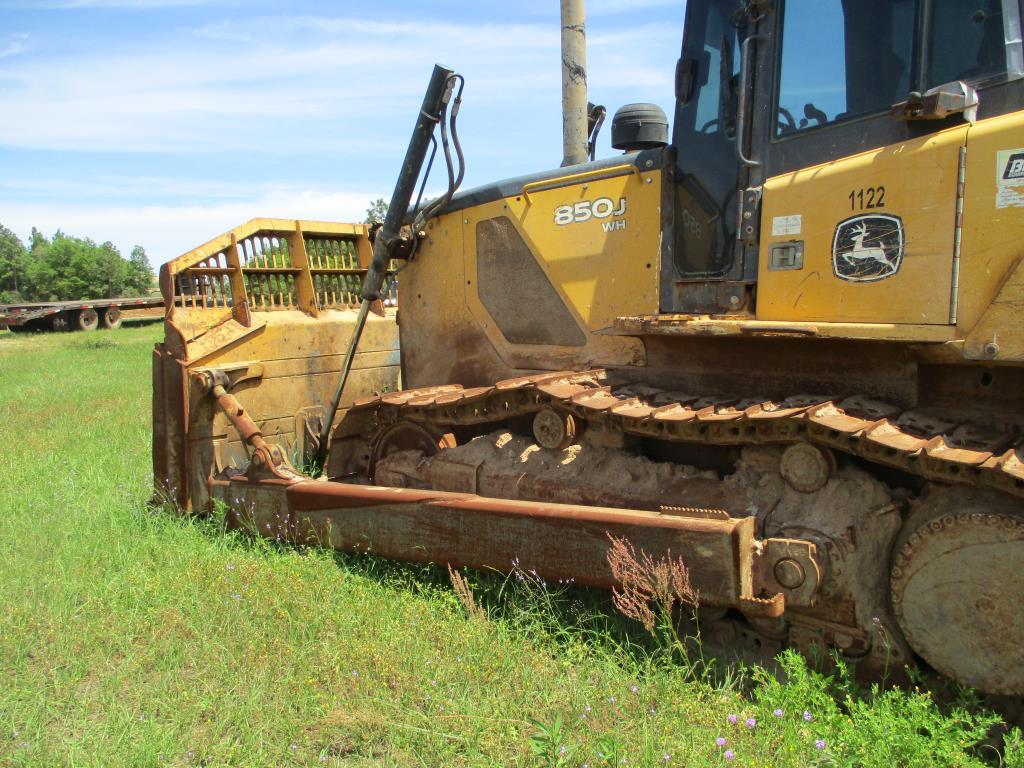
782 343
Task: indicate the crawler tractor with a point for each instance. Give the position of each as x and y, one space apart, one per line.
783 344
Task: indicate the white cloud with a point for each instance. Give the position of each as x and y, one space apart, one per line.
342 82
72 4
14 44
166 231
313 92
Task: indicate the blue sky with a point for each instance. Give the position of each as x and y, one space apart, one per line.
166 122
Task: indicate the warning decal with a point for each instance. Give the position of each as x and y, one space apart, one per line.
1010 178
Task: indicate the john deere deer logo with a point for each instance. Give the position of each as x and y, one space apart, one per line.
868 248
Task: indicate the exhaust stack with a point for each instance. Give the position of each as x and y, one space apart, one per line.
574 83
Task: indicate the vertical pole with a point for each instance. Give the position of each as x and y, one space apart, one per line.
574 83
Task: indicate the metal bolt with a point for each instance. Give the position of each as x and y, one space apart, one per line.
789 573
747 215
648 180
734 300
991 349
844 641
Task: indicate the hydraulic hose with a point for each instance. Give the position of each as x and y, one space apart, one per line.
435 101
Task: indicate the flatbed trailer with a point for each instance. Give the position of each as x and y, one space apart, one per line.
84 315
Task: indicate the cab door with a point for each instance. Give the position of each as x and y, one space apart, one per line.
859 208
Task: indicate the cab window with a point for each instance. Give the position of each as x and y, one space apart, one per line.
973 40
842 59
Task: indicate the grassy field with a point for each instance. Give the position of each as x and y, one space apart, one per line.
130 637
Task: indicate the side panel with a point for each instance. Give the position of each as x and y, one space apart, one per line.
876 232
993 234
523 283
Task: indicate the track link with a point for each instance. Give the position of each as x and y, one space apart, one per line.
916 442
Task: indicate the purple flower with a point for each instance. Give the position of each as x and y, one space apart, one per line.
807 716
732 719
729 754
586 707
751 722
819 744
778 713
633 689
720 741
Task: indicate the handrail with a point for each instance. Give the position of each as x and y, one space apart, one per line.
741 106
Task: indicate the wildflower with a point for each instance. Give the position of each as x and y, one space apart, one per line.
732 719
729 754
751 722
323 758
667 757
720 741
611 699
586 707
819 744
231 566
633 689
293 747
433 682
778 713
562 750
808 716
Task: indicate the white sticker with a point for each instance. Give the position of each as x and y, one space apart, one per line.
1010 178
786 225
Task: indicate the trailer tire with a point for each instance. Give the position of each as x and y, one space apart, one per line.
86 319
17 328
111 318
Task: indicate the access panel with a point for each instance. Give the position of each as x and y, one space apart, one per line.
868 238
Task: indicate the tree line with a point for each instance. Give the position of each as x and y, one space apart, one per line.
65 268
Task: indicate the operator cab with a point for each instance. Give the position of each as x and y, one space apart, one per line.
764 89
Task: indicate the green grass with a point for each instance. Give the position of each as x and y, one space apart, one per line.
136 638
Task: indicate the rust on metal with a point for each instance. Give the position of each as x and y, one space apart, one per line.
557 541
